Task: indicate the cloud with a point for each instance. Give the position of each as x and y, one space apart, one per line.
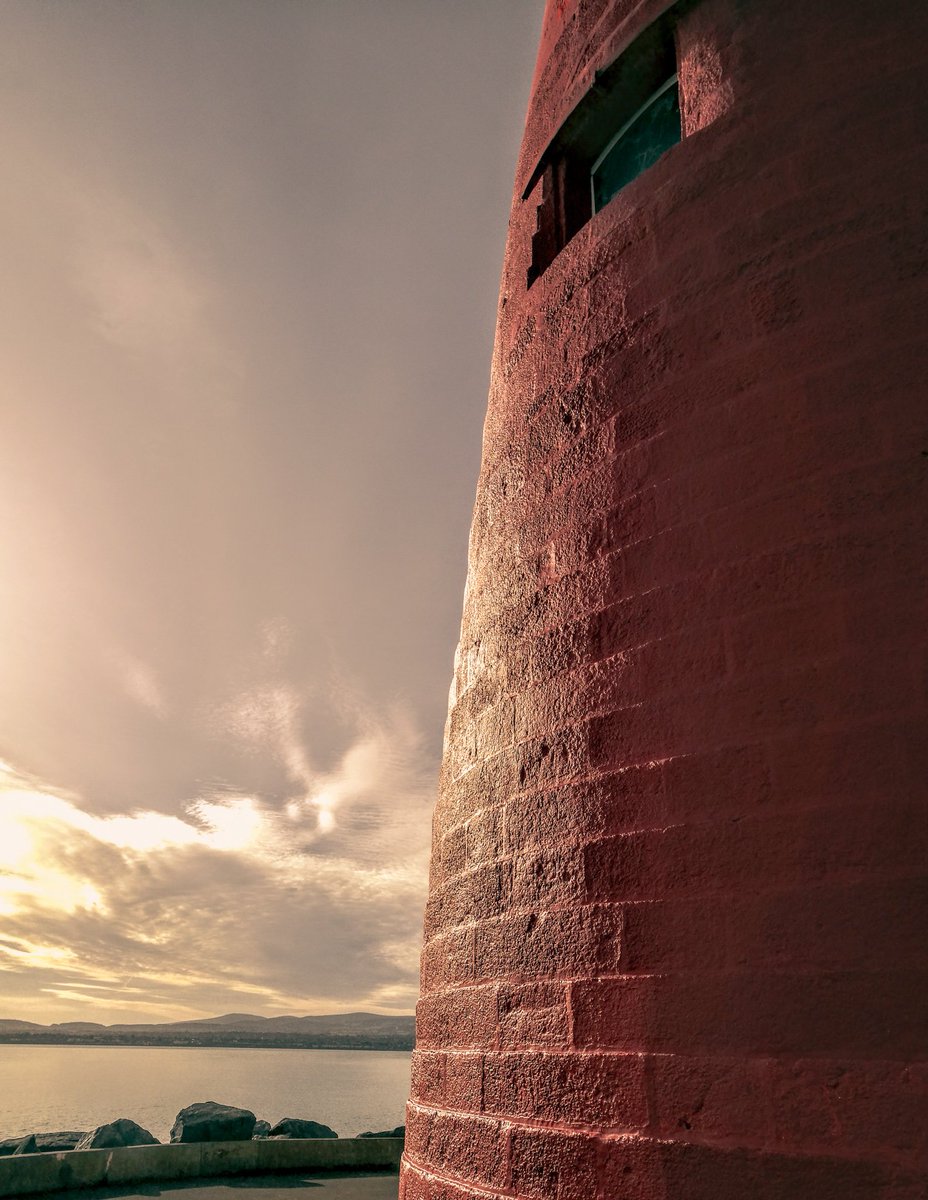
141 684
306 902
358 804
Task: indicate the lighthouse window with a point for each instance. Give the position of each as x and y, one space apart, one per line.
644 137
625 122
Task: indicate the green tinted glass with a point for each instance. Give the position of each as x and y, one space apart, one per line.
651 131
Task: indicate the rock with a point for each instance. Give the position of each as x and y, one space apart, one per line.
65 1139
212 1122
122 1132
262 1129
399 1132
293 1127
27 1145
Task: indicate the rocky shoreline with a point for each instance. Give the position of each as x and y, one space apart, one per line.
205 1121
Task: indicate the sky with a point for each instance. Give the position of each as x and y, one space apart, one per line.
250 255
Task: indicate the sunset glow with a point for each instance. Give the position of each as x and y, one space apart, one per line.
239 431
181 904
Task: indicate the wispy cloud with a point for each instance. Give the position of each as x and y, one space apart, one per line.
141 684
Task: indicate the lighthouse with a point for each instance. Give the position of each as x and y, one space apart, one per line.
675 934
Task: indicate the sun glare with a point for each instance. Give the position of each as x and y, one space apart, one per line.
17 844
231 825
146 831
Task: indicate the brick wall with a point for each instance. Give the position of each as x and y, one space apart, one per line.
675 937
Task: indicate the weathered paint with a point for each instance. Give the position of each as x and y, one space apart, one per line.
675 933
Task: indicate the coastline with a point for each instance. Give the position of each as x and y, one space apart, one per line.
200 1042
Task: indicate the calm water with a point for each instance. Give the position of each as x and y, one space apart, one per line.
80 1087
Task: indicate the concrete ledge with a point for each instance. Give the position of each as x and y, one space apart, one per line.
26 1174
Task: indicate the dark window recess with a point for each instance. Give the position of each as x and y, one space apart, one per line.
623 125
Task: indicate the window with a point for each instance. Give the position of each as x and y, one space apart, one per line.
622 126
644 137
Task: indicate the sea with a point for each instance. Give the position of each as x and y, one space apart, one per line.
45 1088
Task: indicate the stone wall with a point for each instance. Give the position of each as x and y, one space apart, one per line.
675 931
38 1174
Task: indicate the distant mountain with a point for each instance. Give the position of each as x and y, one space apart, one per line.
341 1023
236 1019
361 1030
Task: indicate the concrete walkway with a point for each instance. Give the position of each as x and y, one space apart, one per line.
276 1186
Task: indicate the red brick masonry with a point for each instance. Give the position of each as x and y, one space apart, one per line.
675 938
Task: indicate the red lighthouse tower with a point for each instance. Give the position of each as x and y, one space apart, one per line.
675 934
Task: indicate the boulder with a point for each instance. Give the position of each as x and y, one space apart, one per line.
212 1122
27 1145
293 1127
262 1129
65 1139
121 1132
399 1132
